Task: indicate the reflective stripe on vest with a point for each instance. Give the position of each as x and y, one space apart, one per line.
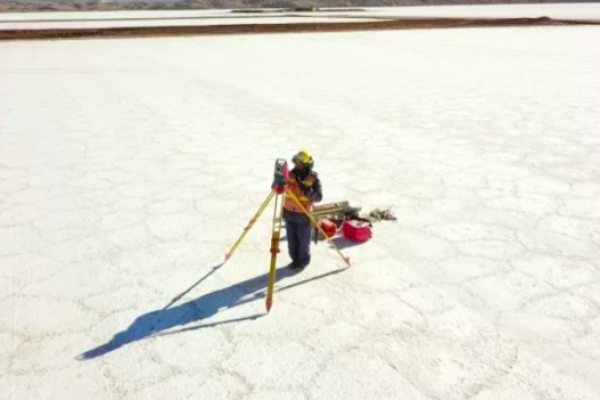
290 204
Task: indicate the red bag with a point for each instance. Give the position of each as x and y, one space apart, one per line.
357 231
328 227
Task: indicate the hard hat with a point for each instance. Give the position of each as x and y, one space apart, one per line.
304 158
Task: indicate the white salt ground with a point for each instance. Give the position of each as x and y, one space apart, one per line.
128 168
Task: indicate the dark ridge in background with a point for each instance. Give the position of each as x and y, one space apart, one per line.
293 5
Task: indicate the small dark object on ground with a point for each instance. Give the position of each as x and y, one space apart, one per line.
379 214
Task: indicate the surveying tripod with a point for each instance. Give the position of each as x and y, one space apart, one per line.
279 190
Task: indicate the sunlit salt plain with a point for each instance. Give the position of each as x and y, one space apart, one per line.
129 167
122 20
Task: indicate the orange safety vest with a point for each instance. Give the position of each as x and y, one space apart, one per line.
292 186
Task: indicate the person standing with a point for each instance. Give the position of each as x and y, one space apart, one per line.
306 185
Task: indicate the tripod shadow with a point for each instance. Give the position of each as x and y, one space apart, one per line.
339 241
199 281
156 323
343 243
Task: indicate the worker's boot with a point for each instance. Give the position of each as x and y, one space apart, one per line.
300 265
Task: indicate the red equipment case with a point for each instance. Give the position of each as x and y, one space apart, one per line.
357 231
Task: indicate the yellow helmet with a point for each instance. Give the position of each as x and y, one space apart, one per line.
303 157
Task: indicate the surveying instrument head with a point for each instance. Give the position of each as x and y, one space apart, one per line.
280 176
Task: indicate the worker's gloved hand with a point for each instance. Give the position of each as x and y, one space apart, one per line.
307 190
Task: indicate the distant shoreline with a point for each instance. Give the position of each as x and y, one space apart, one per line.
396 24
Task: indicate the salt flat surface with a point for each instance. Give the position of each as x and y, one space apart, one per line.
108 19
571 10
129 167
585 11
181 21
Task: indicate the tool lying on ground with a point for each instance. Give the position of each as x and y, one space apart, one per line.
343 217
332 217
279 191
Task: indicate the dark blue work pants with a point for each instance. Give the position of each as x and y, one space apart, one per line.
299 230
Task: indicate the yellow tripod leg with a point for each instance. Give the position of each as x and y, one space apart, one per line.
275 236
250 224
318 227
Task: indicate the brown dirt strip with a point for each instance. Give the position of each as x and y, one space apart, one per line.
401 23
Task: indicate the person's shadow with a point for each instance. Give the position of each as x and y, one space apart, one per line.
155 323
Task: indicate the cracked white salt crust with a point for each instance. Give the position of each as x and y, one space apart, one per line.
129 167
